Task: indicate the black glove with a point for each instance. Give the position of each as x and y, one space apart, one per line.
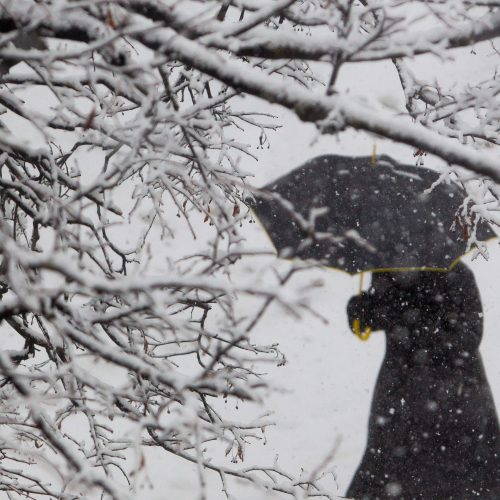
360 307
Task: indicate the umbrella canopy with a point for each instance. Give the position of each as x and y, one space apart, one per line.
357 216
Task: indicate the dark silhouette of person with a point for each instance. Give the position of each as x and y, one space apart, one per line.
433 430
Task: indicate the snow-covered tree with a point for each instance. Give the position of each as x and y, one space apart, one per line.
123 188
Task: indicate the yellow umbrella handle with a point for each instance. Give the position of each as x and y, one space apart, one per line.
356 326
365 335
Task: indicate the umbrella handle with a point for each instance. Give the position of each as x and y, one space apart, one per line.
356 327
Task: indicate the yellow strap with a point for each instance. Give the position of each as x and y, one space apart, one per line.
365 335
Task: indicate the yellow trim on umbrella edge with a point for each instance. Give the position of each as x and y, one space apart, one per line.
378 269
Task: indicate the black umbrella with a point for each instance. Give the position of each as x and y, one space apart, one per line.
355 215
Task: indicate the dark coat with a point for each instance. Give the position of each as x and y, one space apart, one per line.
433 431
